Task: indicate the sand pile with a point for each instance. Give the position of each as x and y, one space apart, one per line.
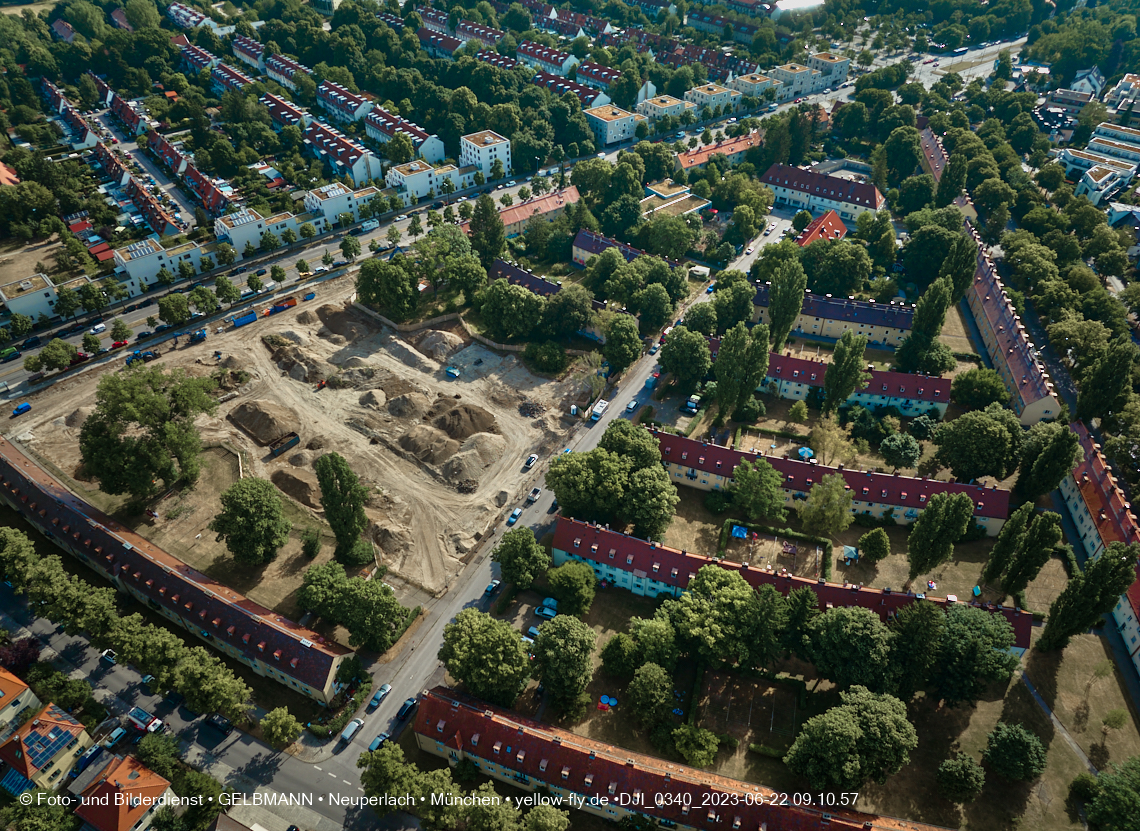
357 362
303 458
76 419
392 538
231 362
394 385
409 356
347 324
376 399
475 454
409 405
265 421
306 317
465 420
429 444
440 345
298 484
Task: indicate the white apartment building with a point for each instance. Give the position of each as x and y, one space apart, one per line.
330 201
381 126
141 261
419 180
712 96
480 150
754 85
661 106
833 69
248 226
611 124
284 70
797 80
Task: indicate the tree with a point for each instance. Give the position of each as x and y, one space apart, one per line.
142 430
621 656
280 727
142 14
18 655
174 309
801 220
307 231
342 497
209 686
1035 549
91 343
415 227
225 254
846 374
623 343
1014 753
850 645
649 695
1008 541
546 817
521 559
919 629
980 443
562 659
941 524
686 355
702 318
757 490
741 363
1105 386
226 291
654 305
899 155
866 738
393 235
573 583
389 286
915 353
20 325
252 521
977 388
697 746
160 753
204 300
350 247
1090 594
785 300
827 509
875 545
1114 806
1050 451
961 779
960 266
798 412
486 656
511 311
488 235
568 311
900 450
975 652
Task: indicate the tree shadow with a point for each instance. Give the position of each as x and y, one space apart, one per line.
1099 754
261 768
1043 668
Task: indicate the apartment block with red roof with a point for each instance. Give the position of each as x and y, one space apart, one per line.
815 192
105 91
249 51
343 155
342 104
16 698
548 207
382 126
438 44
434 19
82 137
197 58
394 23
732 149
131 114
468 30
283 113
39 753
707 466
827 226
119 793
225 78
588 96
284 70
595 75
554 61
563 28
1104 515
715 24
824 316
185 17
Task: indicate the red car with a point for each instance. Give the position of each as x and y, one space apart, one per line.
119 344
79 358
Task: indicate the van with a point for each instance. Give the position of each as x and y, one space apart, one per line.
352 729
270 286
114 738
6 353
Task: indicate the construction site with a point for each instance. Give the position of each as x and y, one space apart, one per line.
436 426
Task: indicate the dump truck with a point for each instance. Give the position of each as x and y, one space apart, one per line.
284 443
245 319
287 303
143 720
198 337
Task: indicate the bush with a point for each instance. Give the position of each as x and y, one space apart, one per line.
865 519
311 543
1085 788
874 545
548 357
770 752
749 411
1014 753
341 719
718 502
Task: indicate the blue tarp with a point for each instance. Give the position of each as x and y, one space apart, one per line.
739 532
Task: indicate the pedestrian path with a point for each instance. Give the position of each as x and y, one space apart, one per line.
1060 728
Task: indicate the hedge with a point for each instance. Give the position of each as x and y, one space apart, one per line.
770 752
787 533
697 419
341 719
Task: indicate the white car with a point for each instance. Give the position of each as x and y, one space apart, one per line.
99 328
511 183
401 217
531 460
631 406
749 250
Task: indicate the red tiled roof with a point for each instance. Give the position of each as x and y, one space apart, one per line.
520 212
230 78
495 59
544 54
124 792
675 569
597 73
340 98
119 18
248 47
8 175
883 382
471 30
390 125
281 111
728 147
285 66
437 41
826 227
560 86
824 186
11 687
25 749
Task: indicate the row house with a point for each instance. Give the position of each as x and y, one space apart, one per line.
715 24
606 781
589 244
142 261
832 68
818 192
643 41
912 395
934 156
114 168
284 70
481 150
554 61
664 106
249 51
63 30
270 644
707 467
419 180
797 80
547 207
54 95
563 28
733 150
225 78
17 702
721 66
539 10
611 125
342 154
381 126
653 8
1125 151
648 568
438 45
1126 91
713 96
754 84
156 216
592 26
284 113
495 59
824 316
119 20
1007 343
827 227
195 58
390 20
595 75
32 296
1118 133
41 751
185 17
209 191
467 30
1103 515
342 104
118 793
435 20
131 114
331 201
102 87
82 136
559 86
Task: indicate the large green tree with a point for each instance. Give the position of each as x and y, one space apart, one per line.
961 779
1008 541
942 523
511 311
918 630
488 235
827 509
563 654
846 374
979 387
389 285
521 559
1105 386
686 356
741 364
1037 546
623 343
757 490
980 443
975 652
1090 594
343 497
1117 803
785 299
574 584
649 695
486 655
252 521
850 645
1014 753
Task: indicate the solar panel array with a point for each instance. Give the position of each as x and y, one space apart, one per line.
43 747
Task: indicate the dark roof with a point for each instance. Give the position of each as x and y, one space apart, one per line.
898 316
560 86
883 382
594 243
516 275
824 186
495 59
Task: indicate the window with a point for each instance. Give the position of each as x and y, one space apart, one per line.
565 773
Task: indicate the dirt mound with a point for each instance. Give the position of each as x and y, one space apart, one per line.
342 322
76 419
299 364
265 421
476 454
465 420
303 458
298 484
429 444
306 317
391 538
440 345
357 362
396 385
440 406
409 405
410 356
231 362
488 446
374 399
317 443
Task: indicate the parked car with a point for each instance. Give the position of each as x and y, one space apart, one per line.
15 354
220 722
119 344
162 327
406 709
79 357
378 742
379 696
546 613
514 517
531 460
532 632
31 342
19 411
98 328
631 406
261 272
351 730
143 335
492 587
108 655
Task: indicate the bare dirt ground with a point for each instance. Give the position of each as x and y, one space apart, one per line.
415 436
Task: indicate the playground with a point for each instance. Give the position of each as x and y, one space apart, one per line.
752 710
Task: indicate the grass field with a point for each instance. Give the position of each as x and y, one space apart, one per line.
48 5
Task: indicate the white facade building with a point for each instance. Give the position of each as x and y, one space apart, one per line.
480 150
611 124
661 106
419 180
797 80
712 96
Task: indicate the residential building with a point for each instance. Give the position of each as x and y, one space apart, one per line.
8 175
595 75
330 201
435 19
587 96
271 645
732 149
670 199
16 698
1090 81
611 124
1072 102
611 782
438 45
31 296
754 85
1102 514
63 30
283 113
246 227
495 59
131 114
1007 343
467 30
824 316
1125 151
381 126
80 134
119 793
155 216
653 8
720 65
715 24
415 181
343 155
516 275
819 192
196 58
225 78
39 753
1126 91
105 92
284 70
660 106
564 29
342 104
827 226
588 244
797 80
119 20
554 61
141 261
1079 164
833 69
185 17
592 26
482 149
249 51
1103 183
1055 123
713 96
548 207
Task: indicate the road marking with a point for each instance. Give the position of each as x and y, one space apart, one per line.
318 767
345 781
333 775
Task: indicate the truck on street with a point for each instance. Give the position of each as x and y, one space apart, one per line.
599 409
143 720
